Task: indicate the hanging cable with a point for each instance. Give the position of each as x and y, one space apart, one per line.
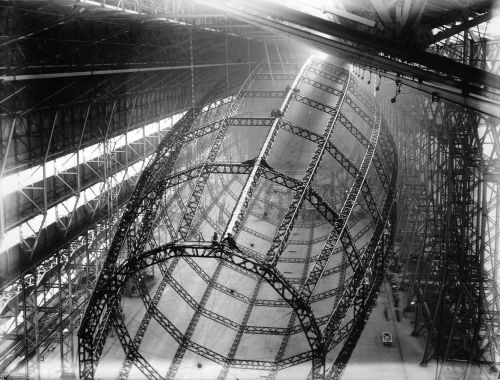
227 64
192 66
398 91
279 55
248 52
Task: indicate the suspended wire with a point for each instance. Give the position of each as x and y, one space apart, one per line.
227 64
192 66
378 84
248 52
281 317
398 91
279 55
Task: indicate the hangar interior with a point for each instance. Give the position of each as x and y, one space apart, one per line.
351 149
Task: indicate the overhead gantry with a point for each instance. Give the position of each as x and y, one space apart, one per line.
300 150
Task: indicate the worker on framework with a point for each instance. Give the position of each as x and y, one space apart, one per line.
231 243
215 239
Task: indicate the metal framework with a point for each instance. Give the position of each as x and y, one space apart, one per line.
445 228
89 93
80 143
62 302
446 73
145 207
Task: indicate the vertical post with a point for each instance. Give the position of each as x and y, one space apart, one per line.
45 201
108 166
127 129
61 314
2 171
25 327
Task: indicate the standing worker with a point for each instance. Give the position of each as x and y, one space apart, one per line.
231 243
215 239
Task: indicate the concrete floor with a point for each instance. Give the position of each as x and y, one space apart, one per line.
401 361
370 359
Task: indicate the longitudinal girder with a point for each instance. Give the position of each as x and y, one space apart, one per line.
297 162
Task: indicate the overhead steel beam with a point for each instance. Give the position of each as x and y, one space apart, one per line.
460 90
347 15
446 33
474 102
71 74
383 12
385 46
